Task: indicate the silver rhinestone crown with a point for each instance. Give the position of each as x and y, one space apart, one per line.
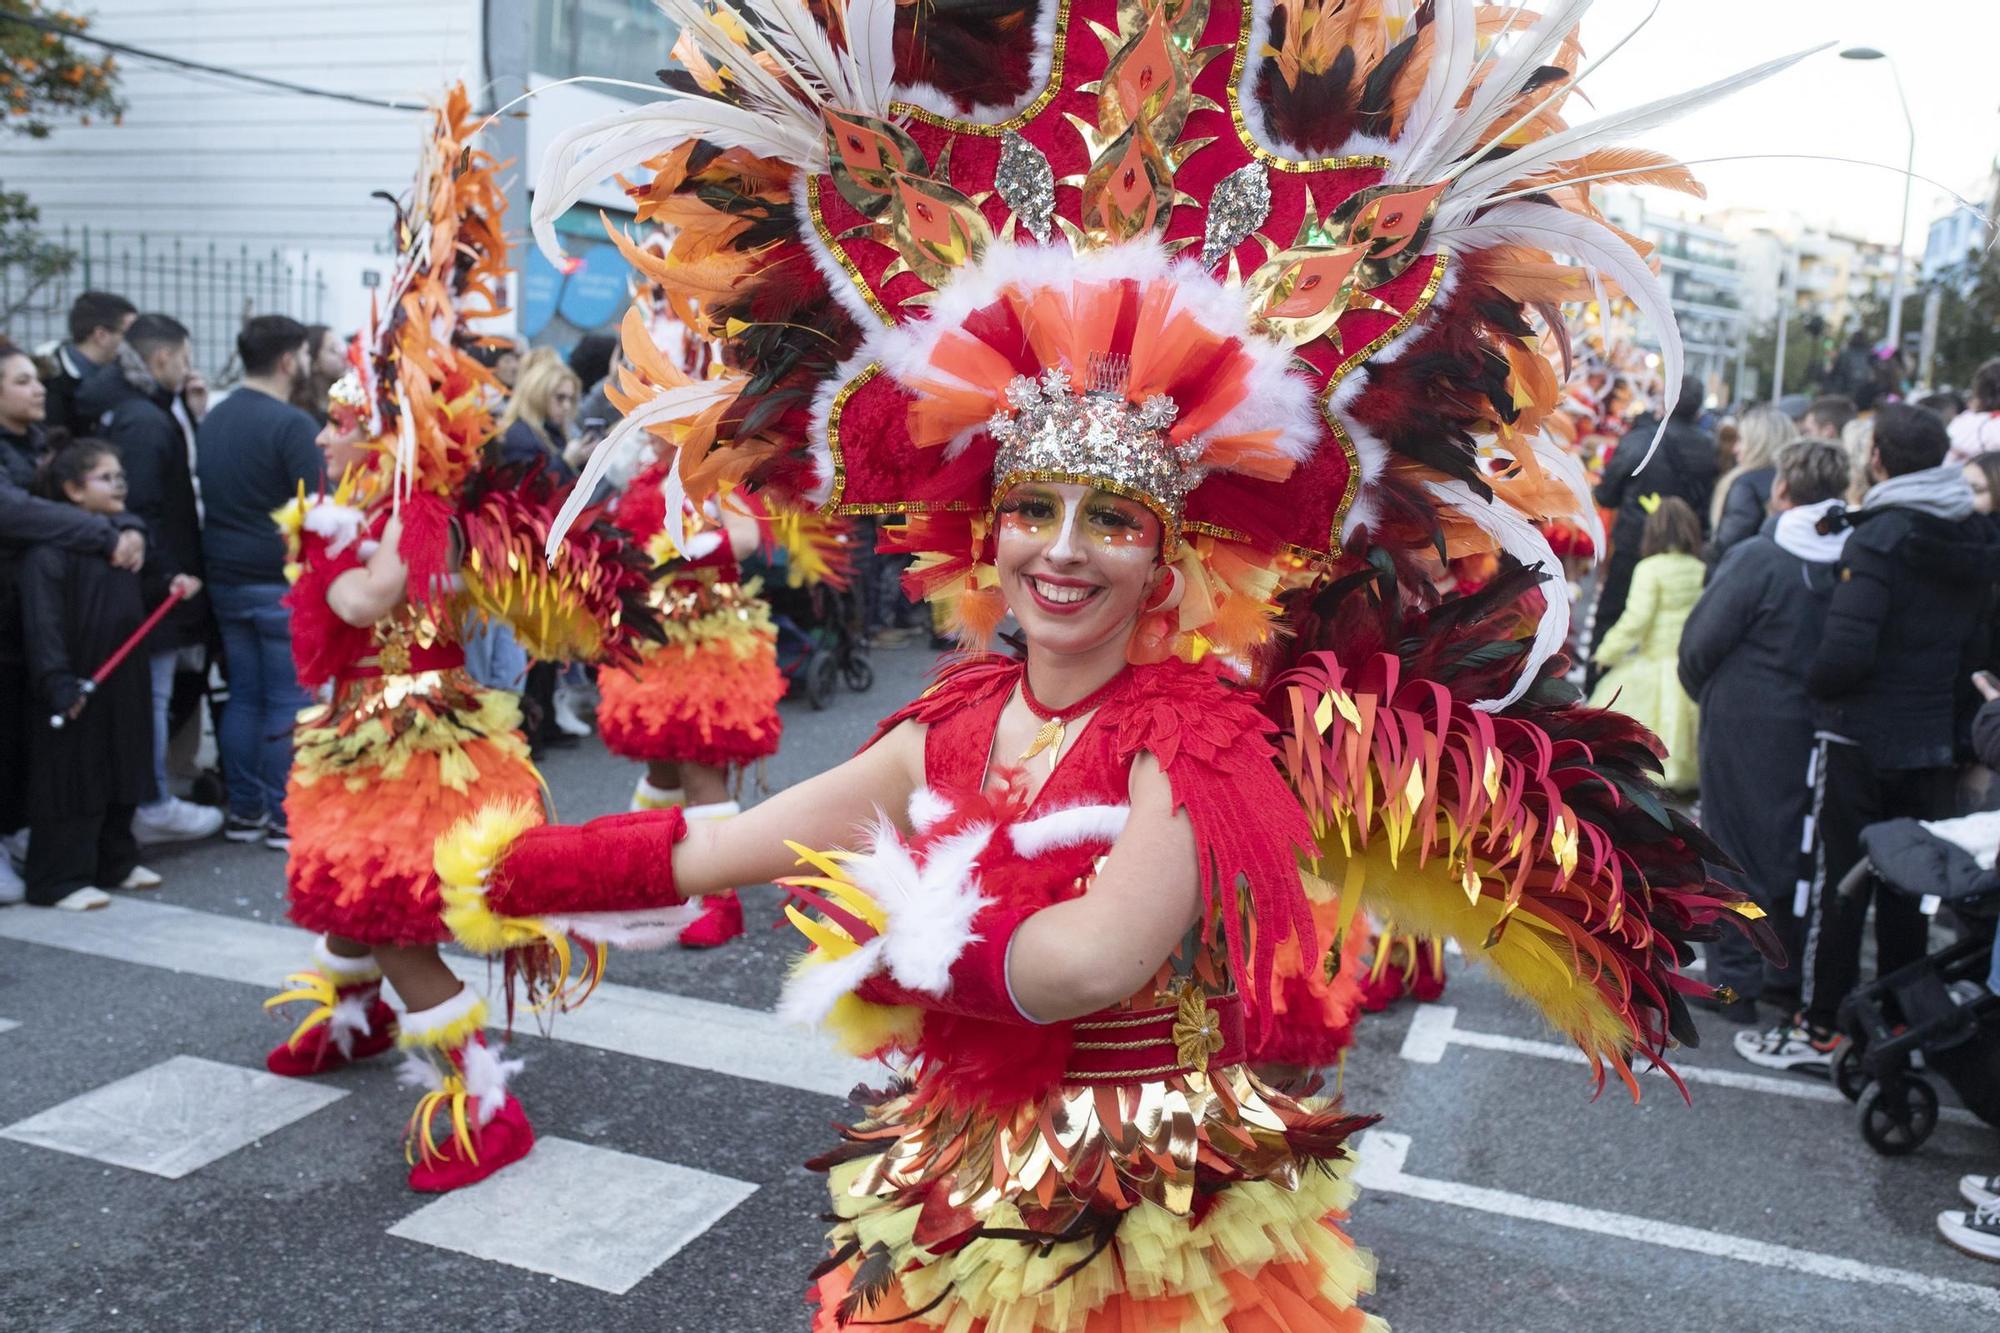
1097 436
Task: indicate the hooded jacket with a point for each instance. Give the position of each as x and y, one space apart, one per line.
1683 465
1906 621
122 405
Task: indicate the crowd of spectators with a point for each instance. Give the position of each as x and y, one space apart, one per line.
1822 674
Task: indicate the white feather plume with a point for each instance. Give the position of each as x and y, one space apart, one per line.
1483 177
583 155
1507 73
1452 63
680 403
1544 227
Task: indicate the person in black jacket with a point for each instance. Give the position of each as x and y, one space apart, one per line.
136 405
26 521
1683 465
1903 621
1743 657
89 773
97 324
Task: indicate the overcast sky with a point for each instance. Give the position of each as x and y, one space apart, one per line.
1948 52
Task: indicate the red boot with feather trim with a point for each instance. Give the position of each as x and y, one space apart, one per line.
351 1022
466 1082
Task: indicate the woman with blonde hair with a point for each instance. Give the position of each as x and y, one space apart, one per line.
1743 496
536 423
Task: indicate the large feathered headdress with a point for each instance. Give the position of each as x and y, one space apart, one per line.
1269 268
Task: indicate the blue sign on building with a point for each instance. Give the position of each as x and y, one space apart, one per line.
591 296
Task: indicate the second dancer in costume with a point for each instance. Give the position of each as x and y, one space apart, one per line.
703 704
417 534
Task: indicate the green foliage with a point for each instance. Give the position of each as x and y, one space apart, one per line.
44 74
1968 322
31 261
1805 356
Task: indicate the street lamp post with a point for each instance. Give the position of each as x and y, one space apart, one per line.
1909 169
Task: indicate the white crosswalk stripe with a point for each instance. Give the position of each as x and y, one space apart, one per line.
175 1117
1434 1029
585 1214
652 1025
1384 1155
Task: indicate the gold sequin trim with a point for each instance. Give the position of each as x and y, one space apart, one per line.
1332 419
1257 150
1059 50
840 255
834 504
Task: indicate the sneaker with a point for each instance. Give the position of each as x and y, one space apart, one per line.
1980 1191
82 900
174 820
568 720
1789 1045
12 887
1976 1233
277 837
141 878
235 828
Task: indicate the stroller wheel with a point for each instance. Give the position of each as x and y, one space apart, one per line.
859 673
1897 1116
822 672
1848 1075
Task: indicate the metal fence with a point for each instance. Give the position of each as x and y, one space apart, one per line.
210 288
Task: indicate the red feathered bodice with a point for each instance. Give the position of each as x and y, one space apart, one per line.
1210 741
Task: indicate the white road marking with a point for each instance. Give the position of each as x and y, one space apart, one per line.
175 1117
8 1024
673 1029
1383 1156
1434 1029
585 1214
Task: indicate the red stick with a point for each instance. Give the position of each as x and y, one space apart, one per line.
111 663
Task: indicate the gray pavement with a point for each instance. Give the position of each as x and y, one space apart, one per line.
152 1177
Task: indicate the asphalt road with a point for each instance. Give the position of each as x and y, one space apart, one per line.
152 1177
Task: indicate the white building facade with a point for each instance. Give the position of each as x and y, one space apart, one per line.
1702 273
216 198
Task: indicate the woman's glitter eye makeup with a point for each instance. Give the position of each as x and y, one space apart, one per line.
1105 519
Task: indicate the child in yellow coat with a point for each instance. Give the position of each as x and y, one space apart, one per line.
1641 651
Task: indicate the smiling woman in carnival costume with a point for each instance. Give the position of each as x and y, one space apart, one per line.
1202 362
417 532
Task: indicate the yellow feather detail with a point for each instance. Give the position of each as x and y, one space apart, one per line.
835 942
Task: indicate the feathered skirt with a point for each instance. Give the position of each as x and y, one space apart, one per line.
708 695
1188 1204
376 778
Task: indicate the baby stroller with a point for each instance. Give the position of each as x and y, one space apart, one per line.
818 645
1938 1006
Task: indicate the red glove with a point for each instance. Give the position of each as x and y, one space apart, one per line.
620 863
978 986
